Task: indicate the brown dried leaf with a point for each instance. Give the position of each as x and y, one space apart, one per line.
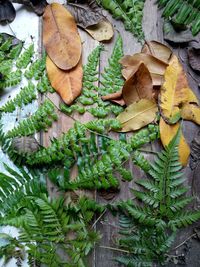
138 86
155 66
60 37
157 50
86 13
68 84
103 31
191 112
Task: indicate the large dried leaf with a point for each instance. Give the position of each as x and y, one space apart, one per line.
175 92
155 66
86 13
157 50
191 112
68 84
138 86
103 31
167 132
60 36
138 115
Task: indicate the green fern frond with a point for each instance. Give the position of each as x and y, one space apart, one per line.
184 12
112 77
6 67
40 120
15 51
6 45
24 97
12 79
44 85
36 69
129 11
24 59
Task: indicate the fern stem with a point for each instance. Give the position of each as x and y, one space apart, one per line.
99 218
115 249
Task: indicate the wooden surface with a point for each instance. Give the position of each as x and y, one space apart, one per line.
107 225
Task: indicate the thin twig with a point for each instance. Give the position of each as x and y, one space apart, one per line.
181 244
115 249
148 151
97 220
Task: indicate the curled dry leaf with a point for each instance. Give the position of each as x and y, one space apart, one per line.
167 132
138 86
171 35
7 11
86 13
191 112
138 115
194 58
115 97
68 84
175 92
155 66
195 152
60 36
103 31
157 50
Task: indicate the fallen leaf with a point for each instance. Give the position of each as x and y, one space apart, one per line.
115 97
155 66
191 112
138 115
85 13
103 31
38 6
175 92
194 58
60 37
171 35
7 11
157 50
25 144
138 86
68 84
167 132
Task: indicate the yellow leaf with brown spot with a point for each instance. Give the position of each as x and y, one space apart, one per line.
191 112
167 132
175 92
60 37
68 84
138 115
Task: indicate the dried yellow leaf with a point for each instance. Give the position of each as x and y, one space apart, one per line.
175 92
138 115
167 132
191 112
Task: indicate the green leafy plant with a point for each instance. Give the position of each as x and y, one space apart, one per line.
148 229
25 96
129 11
40 120
36 69
112 82
24 59
185 13
46 227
